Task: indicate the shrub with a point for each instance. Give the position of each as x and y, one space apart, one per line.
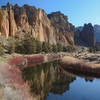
94 49
11 45
59 47
70 49
1 50
64 49
97 48
45 47
54 48
38 45
26 45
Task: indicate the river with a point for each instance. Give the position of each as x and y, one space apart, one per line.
49 82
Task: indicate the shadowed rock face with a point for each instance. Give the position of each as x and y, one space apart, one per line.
97 32
52 28
85 36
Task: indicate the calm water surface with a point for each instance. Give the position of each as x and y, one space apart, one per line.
49 82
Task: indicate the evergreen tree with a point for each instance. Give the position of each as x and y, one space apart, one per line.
45 47
26 45
59 47
54 48
11 45
1 50
64 49
38 46
49 47
29 46
19 47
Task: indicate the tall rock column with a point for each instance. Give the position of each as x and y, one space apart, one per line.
12 24
87 34
4 22
7 21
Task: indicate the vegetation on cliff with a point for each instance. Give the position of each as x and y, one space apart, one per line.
29 45
1 50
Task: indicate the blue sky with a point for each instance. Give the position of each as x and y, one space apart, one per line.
78 11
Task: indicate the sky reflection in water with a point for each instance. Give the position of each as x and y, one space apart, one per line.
80 89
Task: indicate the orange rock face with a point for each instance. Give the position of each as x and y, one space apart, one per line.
7 21
63 29
12 24
4 23
53 28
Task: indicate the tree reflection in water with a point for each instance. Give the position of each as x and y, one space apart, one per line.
46 78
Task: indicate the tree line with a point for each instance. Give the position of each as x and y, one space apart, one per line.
29 45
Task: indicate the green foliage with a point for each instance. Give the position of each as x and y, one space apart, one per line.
38 45
94 49
69 49
54 48
97 48
59 47
1 50
11 45
49 47
29 45
19 47
46 47
26 46
64 49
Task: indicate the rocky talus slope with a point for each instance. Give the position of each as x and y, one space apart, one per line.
52 28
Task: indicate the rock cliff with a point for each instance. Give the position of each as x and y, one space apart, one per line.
63 29
86 36
97 32
52 28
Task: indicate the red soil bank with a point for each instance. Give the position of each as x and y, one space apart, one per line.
34 60
27 61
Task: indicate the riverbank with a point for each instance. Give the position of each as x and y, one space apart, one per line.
80 65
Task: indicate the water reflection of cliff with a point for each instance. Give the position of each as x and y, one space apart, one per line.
46 78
